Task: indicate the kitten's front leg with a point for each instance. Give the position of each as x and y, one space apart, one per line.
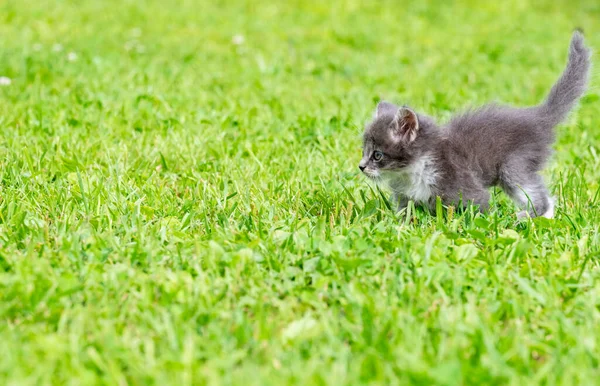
400 201
478 196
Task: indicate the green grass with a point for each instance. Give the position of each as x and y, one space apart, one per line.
180 207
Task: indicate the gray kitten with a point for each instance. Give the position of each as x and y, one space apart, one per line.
490 146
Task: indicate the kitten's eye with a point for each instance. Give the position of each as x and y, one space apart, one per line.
377 156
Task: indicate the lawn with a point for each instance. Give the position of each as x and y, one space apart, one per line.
180 199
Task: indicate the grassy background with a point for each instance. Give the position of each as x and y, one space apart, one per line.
180 206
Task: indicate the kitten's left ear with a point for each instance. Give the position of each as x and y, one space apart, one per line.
405 125
384 108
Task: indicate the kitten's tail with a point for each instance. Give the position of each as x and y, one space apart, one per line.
572 83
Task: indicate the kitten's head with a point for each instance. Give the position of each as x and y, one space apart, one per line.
390 141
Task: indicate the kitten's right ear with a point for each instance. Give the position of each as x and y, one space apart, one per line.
385 108
405 125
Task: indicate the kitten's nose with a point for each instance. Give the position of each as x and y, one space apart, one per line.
361 167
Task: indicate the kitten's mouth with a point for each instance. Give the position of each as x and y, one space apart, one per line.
372 174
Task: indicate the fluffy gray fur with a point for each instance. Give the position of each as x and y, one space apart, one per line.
490 146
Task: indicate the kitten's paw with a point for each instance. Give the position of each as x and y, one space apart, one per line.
402 204
550 211
523 215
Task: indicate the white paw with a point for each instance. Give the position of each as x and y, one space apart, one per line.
550 212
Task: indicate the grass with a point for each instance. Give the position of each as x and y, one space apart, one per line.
180 201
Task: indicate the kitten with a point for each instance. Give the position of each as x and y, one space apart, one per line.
490 146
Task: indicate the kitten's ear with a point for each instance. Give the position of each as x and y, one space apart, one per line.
405 125
385 108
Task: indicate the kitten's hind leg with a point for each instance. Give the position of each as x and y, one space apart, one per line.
530 193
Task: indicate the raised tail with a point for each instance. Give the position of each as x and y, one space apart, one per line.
572 83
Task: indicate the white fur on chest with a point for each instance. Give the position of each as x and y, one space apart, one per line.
417 181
